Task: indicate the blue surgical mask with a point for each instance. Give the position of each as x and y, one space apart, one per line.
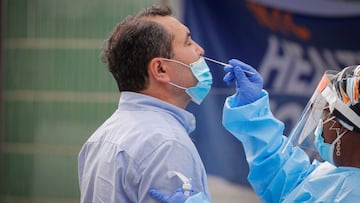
202 73
325 150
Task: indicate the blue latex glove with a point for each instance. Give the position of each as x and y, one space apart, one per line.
248 86
177 197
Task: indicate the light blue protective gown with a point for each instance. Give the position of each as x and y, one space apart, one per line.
135 148
288 177
198 198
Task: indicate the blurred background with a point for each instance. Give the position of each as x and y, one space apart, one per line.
55 91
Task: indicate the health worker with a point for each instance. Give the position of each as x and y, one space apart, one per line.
328 129
319 161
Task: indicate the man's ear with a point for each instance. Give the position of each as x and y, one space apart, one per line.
158 70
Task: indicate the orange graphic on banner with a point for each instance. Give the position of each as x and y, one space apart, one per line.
277 20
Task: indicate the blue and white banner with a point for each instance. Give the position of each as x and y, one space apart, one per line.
291 43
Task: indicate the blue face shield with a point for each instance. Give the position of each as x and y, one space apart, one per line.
202 73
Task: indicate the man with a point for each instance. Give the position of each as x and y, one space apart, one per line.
145 143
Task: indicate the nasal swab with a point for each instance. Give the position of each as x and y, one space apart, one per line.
218 62
225 64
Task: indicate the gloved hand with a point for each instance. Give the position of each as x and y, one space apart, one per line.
248 86
177 197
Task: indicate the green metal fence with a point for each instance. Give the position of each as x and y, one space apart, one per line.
55 91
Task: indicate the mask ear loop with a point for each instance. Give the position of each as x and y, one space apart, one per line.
338 135
175 61
178 62
178 86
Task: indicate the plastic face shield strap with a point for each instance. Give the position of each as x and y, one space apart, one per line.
335 103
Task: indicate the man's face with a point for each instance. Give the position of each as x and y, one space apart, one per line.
184 49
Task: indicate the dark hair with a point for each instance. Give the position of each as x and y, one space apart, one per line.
134 42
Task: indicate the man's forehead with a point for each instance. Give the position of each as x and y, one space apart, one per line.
171 24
